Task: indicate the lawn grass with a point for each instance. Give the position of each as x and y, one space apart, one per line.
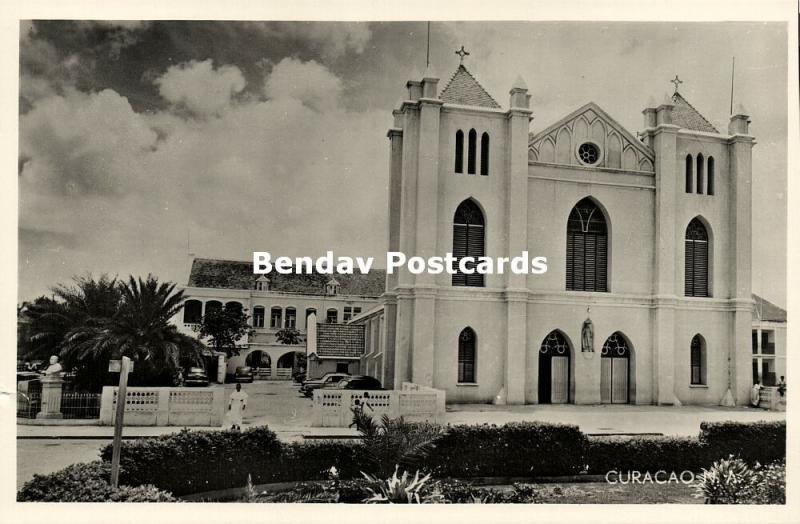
603 493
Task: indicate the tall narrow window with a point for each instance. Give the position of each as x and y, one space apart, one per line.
473 143
291 317
700 181
459 151
587 248
689 174
698 360
275 318
468 241
485 154
710 176
466 356
258 316
696 260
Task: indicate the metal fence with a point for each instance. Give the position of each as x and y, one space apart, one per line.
28 404
80 405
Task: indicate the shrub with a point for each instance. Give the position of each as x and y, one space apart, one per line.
604 454
401 489
395 442
770 484
753 442
513 450
87 482
198 461
313 460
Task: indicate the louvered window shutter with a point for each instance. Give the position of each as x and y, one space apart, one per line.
700 284
688 280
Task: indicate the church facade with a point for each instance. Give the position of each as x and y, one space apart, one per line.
647 296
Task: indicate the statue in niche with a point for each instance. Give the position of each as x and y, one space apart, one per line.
587 334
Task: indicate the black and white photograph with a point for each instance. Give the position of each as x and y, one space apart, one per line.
428 259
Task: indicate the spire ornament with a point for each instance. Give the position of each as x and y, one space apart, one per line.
677 81
462 53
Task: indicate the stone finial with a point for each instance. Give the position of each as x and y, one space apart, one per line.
519 94
651 102
519 83
430 81
664 111
740 121
414 90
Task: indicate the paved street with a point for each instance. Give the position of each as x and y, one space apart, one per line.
280 406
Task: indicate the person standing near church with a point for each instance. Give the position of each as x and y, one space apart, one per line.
236 406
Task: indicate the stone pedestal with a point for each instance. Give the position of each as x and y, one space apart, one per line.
51 398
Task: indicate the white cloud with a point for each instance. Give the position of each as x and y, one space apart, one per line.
309 82
109 189
333 40
201 88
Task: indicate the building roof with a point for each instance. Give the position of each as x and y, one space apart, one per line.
238 274
766 310
340 340
464 89
686 116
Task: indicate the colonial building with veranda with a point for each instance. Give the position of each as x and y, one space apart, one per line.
647 239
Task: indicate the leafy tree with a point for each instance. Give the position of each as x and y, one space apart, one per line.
225 327
139 329
288 336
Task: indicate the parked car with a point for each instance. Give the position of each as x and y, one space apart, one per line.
359 382
327 380
299 377
244 374
195 377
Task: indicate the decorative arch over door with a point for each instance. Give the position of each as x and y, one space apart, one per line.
615 370
554 369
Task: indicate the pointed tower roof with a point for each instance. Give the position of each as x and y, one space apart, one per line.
464 89
686 116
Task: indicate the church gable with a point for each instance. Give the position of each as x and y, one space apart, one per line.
464 89
590 137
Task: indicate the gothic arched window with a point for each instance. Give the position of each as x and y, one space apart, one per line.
468 241
700 181
697 357
459 151
473 145
587 248
689 174
696 260
466 356
485 154
710 176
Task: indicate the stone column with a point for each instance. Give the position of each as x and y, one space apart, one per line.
665 138
51 398
516 295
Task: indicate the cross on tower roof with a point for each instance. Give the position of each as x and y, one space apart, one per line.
462 53
677 81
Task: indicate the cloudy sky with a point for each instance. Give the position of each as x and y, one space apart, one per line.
139 138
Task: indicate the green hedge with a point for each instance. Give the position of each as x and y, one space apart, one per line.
643 454
516 449
198 461
762 442
88 482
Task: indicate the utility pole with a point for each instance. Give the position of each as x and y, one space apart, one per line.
121 395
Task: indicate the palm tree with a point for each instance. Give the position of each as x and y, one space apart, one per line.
140 330
47 321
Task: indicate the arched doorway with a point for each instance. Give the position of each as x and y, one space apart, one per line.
258 359
615 370
554 371
285 365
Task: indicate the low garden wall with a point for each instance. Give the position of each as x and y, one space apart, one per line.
334 407
165 406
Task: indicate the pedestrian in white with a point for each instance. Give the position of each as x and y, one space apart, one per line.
236 406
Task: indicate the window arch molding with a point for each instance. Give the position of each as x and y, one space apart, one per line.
588 241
